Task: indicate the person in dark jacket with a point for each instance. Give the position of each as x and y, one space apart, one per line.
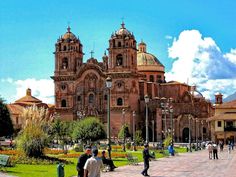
146 158
82 160
108 162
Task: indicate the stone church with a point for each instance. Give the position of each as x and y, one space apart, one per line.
80 89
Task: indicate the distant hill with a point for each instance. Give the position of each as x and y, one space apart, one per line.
230 97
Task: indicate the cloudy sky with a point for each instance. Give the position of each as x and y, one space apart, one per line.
195 40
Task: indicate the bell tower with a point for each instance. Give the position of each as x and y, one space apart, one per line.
68 54
122 51
68 61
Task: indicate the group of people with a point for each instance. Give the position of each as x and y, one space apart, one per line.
89 165
213 148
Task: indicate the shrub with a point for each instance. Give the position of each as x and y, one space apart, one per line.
128 145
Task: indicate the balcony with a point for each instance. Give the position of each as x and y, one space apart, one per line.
230 128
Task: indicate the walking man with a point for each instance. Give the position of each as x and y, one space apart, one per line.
215 151
93 165
82 160
146 157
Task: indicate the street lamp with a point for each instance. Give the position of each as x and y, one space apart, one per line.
124 131
163 105
197 133
108 85
171 120
189 134
202 130
134 148
146 98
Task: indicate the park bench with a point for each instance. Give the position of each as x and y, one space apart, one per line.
132 160
4 159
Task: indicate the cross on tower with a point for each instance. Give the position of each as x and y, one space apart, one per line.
92 52
122 24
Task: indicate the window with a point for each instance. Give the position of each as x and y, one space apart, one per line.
63 86
119 102
63 103
64 63
91 98
219 123
151 79
79 98
105 97
119 85
204 130
17 120
64 48
119 44
119 60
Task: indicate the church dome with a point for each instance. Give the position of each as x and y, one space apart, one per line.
69 35
123 30
147 61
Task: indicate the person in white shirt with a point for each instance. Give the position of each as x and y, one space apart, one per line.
93 165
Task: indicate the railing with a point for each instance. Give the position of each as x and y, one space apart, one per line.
230 128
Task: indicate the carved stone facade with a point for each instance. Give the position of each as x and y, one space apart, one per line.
80 89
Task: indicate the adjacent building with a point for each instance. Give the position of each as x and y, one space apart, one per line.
223 123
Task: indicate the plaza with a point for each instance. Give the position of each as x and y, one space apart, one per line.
184 165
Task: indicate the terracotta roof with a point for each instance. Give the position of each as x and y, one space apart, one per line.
224 116
15 109
28 98
230 104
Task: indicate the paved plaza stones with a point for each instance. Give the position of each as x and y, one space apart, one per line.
194 164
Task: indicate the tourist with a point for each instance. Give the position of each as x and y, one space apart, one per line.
210 149
146 158
108 162
221 143
82 160
215 151
171 150
93 165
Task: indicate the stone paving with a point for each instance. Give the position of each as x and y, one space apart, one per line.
194 164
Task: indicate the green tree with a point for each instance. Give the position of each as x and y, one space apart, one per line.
138 137
123 134
6 126
32 139
167 141
89 129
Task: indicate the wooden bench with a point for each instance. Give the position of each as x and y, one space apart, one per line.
132 160
4 159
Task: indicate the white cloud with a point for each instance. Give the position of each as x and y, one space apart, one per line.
168 37
199 60
42 89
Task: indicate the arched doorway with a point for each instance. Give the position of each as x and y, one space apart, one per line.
185 135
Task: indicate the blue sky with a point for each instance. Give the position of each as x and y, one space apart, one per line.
29 30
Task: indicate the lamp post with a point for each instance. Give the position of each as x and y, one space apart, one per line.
197 133
153 135
189 134
124 133
108 85
134 148
163 106
171 119
146 98
202 129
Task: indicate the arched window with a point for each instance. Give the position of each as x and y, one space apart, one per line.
119 102
204 130
63 103
119 44
132 60
119 60
64 48
64 63
78 98
91 98
151 78
105 97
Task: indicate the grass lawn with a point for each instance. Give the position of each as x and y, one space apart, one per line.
23 170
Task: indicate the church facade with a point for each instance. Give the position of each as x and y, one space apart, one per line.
80 89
